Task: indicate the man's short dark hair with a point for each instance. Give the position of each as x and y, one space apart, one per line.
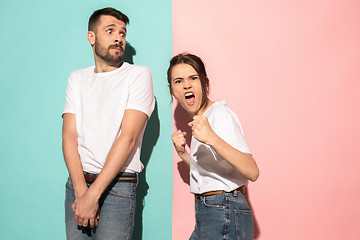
94 18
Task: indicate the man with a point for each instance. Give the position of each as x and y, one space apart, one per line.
106 110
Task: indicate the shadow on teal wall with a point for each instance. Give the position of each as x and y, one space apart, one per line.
151 136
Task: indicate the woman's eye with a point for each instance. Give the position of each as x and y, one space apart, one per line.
194 78
122 34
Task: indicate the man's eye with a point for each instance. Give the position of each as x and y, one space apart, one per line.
122 34
109 31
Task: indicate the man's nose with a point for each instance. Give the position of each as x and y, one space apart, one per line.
119 39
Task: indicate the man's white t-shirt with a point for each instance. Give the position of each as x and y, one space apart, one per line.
99 101
208 170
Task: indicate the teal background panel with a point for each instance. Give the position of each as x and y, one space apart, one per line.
41 43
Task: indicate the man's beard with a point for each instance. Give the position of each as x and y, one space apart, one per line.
111 60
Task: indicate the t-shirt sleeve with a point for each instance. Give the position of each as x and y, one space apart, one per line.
141 95
227 126
70 96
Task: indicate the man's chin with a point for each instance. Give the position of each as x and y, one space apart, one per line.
114 63
113 60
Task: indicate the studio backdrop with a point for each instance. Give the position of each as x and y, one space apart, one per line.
288 69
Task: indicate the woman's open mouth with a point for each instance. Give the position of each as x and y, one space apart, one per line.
190 98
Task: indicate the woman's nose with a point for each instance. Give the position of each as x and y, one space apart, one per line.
187 84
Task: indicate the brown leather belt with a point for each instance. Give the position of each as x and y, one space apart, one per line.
241 189
121 177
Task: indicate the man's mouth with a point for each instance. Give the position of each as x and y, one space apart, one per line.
116 47
190 98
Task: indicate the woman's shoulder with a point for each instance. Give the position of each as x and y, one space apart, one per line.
219 108
219 112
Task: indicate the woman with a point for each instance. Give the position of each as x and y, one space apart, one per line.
219 159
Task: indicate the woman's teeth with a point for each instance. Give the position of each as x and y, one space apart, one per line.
189 95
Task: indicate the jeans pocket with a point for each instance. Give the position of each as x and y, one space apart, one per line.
122 189
68 184
243 218
214 201
244 224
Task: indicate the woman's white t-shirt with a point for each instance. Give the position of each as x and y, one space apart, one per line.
208 170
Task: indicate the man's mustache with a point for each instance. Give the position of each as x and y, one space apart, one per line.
116 46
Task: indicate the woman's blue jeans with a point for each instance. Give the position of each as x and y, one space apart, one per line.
223 216
117 214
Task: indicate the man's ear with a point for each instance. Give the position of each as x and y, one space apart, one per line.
91 37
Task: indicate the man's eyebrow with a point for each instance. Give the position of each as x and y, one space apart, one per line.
110 25
113 25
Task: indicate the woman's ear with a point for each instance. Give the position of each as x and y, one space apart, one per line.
171 92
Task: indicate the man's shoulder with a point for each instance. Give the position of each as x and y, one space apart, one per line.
136 67
84 72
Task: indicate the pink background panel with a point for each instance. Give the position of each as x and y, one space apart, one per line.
290 70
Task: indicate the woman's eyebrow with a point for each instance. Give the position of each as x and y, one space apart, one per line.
194 75
180 78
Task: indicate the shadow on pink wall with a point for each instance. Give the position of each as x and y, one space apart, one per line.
181 122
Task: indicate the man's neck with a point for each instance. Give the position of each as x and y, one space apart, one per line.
101 66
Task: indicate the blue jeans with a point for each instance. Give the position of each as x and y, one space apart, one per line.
117 214
223 216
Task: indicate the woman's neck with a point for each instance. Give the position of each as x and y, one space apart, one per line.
205 107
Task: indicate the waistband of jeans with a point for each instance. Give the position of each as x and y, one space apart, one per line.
241 189
121 177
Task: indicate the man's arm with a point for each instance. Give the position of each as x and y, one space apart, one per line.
72 158
131 126
71 154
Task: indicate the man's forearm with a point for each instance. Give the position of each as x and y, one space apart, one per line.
73 163
113 165
132 124
71 154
